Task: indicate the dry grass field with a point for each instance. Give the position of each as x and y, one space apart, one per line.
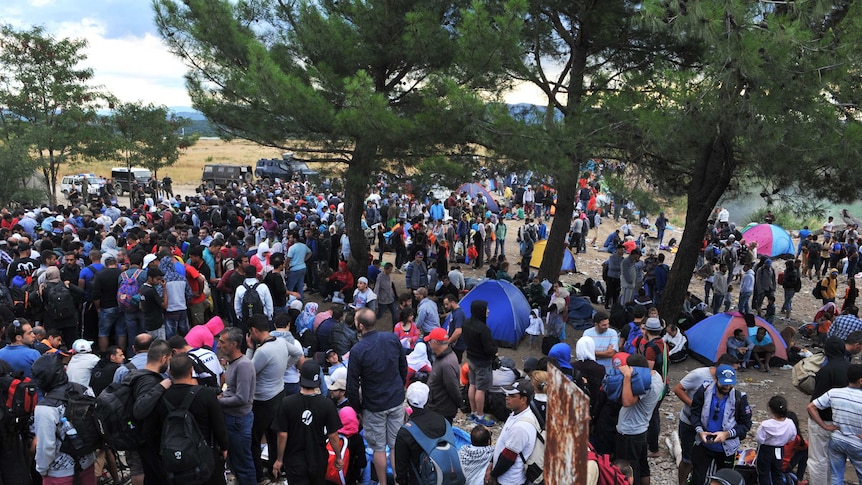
189 167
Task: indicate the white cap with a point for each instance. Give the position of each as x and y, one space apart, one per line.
82 345
149 259
417 394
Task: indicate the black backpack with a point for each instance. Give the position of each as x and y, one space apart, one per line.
114 415
81 413
19 396
185 453
58 301
251 302
215 217
205 376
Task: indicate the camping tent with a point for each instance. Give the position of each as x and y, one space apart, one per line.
707 340
473 189
539 247
509 311
772 240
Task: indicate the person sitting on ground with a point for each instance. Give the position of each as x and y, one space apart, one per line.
406 329
418 364
476 456
763 348
677 344
739 347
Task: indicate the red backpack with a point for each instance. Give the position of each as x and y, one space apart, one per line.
609 474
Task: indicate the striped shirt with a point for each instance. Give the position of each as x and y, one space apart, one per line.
846 404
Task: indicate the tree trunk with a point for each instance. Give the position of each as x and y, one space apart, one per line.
355 186
566 192
711 176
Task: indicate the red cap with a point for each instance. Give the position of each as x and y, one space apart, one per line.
437 334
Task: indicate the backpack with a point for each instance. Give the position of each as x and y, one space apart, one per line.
58 301
215 217
438 463
114 415
333 474
609 474
184 452
205 376
817 291
81 413
534 465
802 375
251 302
19 396
129 292
635 333
585 194
26 301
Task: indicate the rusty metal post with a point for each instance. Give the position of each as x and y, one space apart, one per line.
568 431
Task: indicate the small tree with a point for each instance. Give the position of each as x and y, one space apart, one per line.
48 104
149 135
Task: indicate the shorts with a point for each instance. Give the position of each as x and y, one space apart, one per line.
687 435
382 427
633 449
133 459
481 377
112 319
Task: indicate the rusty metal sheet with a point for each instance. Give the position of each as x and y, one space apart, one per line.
568 431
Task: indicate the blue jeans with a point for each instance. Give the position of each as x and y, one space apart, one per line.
296 282
499 246
134 326
112 319
788 300
839 452
239 448
744 305
174 321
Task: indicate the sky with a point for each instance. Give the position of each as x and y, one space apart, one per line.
124 49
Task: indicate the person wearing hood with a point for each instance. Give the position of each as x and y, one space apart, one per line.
481 351
832 375
560 356
204 336
585 363
341 280
66 323
109 248
55 466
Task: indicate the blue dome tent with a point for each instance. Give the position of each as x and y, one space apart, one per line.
509 311
473 189
707 340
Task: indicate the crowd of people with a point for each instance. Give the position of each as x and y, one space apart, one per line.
238 305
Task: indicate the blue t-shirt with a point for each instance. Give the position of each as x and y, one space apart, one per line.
87 275
714 424
297 253
20 357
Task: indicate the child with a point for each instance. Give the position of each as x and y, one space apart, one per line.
536 329
795 454
407 331
850 295
476 457
772 435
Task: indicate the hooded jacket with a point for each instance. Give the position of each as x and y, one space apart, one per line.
49 375
477 335
833 374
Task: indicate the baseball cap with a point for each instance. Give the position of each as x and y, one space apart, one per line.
149 259
531 364
82 345
362 280
438 333
620 359
417 394
653 324
309 374
338 385
727 476
521 386
725 375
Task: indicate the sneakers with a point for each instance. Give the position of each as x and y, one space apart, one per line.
484 421
471 417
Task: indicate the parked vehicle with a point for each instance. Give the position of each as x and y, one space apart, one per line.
76 181
123 179
269 169
221 175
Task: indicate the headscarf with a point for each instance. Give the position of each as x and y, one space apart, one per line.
418 359
52 275
320 317
562 354
585 349
305 321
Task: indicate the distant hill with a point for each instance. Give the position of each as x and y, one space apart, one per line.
187 112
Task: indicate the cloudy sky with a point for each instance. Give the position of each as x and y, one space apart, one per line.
125 51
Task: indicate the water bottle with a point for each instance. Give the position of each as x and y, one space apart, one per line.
71 433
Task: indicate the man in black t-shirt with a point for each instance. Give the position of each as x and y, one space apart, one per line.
153 305
275 281
304 422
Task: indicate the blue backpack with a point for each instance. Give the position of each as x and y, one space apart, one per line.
635 332
439 463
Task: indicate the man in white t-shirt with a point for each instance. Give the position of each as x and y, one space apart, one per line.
200 355
606 339
517 439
